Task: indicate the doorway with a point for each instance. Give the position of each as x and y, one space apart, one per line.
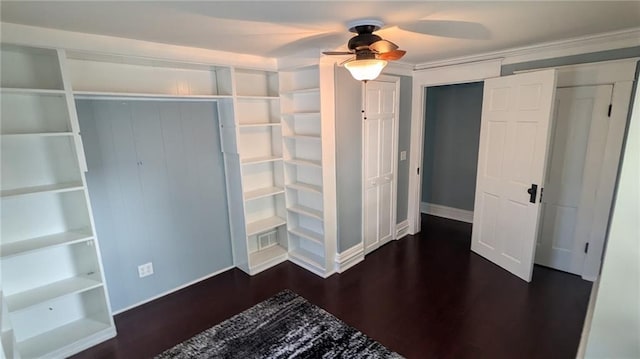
452 134
619 73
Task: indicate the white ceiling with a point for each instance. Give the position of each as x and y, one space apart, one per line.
279 29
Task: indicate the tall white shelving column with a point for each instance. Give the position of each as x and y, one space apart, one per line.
252 145
309 156
52 279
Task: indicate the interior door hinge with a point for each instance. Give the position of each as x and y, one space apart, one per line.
609 113
586 247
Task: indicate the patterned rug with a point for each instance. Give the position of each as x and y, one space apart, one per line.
283 326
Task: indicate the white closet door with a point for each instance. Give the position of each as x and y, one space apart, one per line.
577 153
514 136
379 166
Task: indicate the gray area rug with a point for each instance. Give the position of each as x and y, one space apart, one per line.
283 326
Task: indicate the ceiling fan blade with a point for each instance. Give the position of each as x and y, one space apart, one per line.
449 28
391 55
337 53
382 46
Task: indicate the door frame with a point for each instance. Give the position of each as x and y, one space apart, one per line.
440 76
396 127
620 73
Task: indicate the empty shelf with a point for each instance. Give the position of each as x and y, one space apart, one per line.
307 234
262 192
310 212
305 187
303 137
300 162
308 257
32 244
264 225
256 160
269 254
36 134
263 124
301 91
53 188
42 294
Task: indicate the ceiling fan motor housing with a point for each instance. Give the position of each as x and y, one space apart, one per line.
365 36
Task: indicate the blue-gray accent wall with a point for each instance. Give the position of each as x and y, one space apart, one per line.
157 187
451 139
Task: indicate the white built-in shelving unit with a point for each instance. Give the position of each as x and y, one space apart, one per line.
308 150
252 144
54 300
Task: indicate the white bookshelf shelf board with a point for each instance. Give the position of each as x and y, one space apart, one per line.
308 234
299 186
37 134
54 188
34 244
253 125
303 137
310 212
274 253
54 290
257 98
256 160
117 96
56 340
300 91
263 192
264 225
308 257
30 91
309 115
301 162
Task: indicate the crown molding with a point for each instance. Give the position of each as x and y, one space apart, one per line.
398 68
110 45
547 50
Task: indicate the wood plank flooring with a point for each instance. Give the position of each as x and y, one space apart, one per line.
425 296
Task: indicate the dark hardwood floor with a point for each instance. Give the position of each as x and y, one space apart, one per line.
425 296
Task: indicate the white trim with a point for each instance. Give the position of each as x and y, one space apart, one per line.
102 44
584 337
398 68
310 267
402 229
580 45
594 73
349 258
172 290
457 214
461 73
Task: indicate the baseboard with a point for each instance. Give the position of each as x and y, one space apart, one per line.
447 212
402 229
172 290
349 258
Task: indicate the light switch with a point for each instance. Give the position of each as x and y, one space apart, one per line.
403 155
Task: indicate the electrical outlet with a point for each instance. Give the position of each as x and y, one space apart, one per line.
403 155
145 270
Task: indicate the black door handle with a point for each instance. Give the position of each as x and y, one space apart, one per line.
533 191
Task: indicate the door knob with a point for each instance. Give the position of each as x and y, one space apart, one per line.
533 191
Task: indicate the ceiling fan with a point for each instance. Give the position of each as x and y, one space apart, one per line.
370 50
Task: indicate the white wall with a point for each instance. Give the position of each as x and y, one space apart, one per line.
615 327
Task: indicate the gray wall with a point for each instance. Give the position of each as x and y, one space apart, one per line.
451 139
348 159
404 144
157 187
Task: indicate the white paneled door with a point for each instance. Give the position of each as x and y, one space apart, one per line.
380 144
514 137
577 153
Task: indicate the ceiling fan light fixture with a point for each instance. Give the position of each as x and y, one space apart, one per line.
365 70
